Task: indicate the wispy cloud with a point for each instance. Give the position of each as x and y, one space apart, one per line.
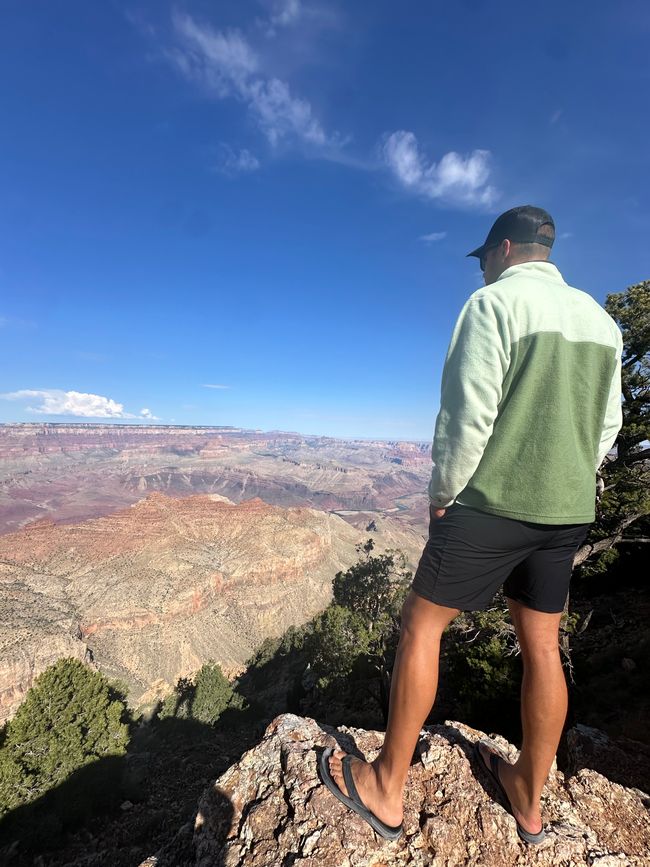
555 116
216 386
231 162
565 235
455 179
228 67
432 237
286 12
54 401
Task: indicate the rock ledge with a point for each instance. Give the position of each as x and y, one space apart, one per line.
270 809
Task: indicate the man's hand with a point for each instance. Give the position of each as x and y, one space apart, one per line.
434 513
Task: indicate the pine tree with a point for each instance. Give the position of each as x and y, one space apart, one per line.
70 717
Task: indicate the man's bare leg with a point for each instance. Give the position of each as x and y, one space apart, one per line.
543 712
413 689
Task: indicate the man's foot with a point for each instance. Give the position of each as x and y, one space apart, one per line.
387 807
526 814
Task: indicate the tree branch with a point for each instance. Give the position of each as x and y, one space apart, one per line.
590 549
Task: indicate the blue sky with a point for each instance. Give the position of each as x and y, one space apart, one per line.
257 214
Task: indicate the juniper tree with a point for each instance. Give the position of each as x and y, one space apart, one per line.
623 503
70 718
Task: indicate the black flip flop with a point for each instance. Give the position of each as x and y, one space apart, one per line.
354 802
495 758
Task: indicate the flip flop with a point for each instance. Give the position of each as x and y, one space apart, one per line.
354 802
493 768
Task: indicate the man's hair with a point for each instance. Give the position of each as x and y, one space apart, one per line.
537 251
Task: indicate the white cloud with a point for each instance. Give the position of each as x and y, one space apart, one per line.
146 413
455 179
432 237
222 61
233 163
565 235
285 12
555 116
55 401
216 386
281 115
227 66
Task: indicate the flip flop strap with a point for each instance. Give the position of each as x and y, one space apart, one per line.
494 764
349 780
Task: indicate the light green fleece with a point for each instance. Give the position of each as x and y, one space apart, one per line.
530 401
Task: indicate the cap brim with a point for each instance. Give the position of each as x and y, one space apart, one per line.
478 252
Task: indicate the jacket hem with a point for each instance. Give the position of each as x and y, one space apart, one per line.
532 518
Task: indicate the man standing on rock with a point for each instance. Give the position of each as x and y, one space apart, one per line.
530 406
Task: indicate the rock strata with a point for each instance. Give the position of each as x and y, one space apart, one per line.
69 473
153 591
270 809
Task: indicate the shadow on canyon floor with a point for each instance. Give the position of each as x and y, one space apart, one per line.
120 810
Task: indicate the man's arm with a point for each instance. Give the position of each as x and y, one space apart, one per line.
472 379
613 420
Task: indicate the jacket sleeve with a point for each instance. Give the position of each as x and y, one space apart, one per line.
613 420
476 364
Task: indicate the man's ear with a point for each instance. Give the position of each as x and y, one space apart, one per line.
506 247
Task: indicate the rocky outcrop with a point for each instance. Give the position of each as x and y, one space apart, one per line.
157 589
270 809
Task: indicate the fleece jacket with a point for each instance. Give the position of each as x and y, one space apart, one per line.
530 400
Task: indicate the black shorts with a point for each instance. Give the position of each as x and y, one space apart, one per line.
469 554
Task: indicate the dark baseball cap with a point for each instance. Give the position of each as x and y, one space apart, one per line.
520 225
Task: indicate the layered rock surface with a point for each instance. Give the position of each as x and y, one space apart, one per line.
155 590
270 809
74 472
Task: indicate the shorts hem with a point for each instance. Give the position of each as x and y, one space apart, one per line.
535 606
431 597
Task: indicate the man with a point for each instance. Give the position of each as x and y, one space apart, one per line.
530 406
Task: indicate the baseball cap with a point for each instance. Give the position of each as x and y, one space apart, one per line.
520 225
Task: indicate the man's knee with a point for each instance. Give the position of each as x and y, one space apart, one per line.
421 618
541 651
537 631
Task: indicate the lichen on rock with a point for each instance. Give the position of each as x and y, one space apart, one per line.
270 809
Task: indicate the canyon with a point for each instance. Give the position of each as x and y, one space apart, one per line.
73 472
161 581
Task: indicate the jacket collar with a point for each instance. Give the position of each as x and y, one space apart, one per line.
545 270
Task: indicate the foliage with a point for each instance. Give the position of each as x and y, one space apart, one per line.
203 699
340 639
374 588
271 649
353 642
483 666
213 693
70 718
624 502
481 655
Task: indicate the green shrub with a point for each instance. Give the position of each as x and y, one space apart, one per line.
213 693
481 654
70 718
339 639
351 647
203 698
